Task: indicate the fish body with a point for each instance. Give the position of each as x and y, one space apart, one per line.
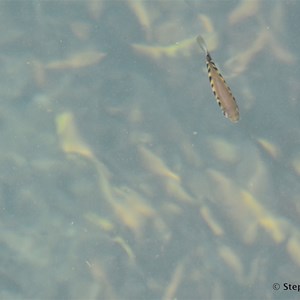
220 89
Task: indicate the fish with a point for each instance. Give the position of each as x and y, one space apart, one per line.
221 90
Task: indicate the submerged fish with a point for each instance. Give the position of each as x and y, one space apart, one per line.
221 90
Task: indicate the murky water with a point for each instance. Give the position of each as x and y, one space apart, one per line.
120 177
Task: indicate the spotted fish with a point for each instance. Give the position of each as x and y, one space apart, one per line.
221 90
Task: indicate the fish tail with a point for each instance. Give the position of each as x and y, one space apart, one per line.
202 43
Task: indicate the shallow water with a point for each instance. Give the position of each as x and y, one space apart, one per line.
121 178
